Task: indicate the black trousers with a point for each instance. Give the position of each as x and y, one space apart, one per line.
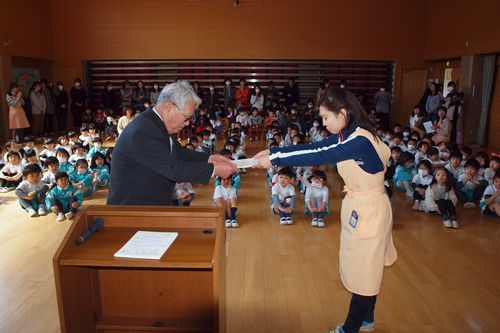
447 209
362 308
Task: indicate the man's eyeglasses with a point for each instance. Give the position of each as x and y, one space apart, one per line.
186 117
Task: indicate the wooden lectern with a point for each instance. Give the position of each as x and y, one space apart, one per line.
184 291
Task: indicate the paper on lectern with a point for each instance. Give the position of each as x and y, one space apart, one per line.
147 245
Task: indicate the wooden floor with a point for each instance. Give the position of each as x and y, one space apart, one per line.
286 279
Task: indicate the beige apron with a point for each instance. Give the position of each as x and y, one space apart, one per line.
366 244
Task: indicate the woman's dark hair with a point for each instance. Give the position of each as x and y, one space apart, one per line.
448 180
335 99
95 157
12 85
404 158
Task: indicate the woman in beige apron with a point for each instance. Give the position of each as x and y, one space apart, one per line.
366 244
17 118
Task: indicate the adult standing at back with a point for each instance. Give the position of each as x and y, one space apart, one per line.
148 162
78 97
17 118
38 108
433 103
366 216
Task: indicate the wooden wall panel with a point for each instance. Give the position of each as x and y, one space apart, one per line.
452 23
494 116
273 29
27 24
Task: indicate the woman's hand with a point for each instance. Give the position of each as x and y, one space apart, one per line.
263 160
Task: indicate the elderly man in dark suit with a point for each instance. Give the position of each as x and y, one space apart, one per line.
147 161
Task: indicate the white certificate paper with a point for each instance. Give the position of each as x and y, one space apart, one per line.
428 127
147 245
246 163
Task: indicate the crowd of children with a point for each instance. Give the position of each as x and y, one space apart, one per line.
58 178
438 175
434 175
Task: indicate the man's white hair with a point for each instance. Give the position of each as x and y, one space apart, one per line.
180 93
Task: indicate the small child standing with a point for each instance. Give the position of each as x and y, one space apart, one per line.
225 196
283 196
440 198
317 198
32 191
63 199
490 203
11 173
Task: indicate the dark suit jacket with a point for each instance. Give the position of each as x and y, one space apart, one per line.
145 169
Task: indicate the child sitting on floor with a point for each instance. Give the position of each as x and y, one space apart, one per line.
283 196
32 191
225 196
63 199
317 198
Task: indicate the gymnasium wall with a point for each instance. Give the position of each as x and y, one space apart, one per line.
494 117
450 24
27 24
274 29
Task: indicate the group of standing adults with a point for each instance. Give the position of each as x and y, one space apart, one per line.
44 108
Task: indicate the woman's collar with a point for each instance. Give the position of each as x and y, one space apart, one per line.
344 134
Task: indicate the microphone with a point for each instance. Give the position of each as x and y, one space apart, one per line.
96 225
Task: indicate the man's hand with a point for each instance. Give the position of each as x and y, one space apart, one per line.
218 158
224 169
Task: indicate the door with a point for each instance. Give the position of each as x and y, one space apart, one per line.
413 84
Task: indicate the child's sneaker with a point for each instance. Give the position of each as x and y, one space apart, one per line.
421 206
69 215
42 211
314 222
447 223
365 327
409 193
228 223
289 220
416 205
455 224
321 223
4 189
234 224
60 217
470 204
283 221
31 212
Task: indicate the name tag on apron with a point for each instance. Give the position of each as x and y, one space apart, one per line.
353 221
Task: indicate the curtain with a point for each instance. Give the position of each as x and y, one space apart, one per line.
489 67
